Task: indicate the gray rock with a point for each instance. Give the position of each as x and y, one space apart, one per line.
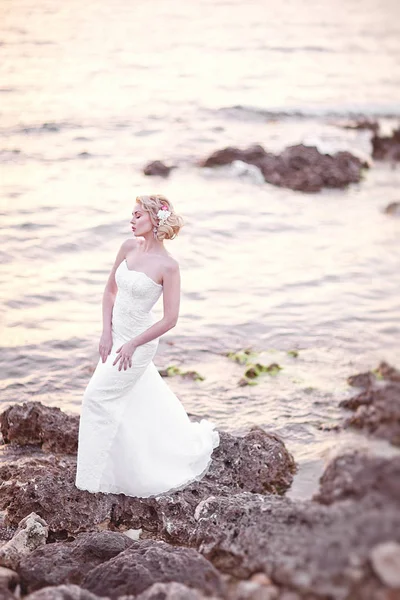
169 591
69 562
31 533
64 592
148 562
256 462
303 546
356 475
377 408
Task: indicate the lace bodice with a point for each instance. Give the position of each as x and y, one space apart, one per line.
136 296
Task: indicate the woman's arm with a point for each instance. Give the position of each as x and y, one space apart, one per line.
109 294
171 296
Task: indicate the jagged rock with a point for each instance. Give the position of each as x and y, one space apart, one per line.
64 592
386 147
385 560
69 562
377 408
157 167
148 562
298 167
355 475
42 483
46 426
302 546
31 533
256 462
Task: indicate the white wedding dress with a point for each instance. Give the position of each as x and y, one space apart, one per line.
135 436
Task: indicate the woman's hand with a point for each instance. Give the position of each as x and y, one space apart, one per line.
105 345
125 355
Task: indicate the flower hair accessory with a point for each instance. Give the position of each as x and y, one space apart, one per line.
163 213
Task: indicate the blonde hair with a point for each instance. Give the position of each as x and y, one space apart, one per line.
168 229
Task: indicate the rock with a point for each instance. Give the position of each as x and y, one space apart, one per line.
6 594
169 591
250 590
362 124
31 533
157 168
298 167
69 562
393 208
386 147
385 560
64 592
377 408
46 426
148 562
256 462
9 579
42 483
302 546
363 380
355 475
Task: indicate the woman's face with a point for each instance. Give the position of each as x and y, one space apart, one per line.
140 221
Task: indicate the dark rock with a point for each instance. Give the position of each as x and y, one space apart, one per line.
148 562
357 475
69 562
42 483
386 147
318 551
362 124
157 168
377 408
393 208
299 167
46 426
256 462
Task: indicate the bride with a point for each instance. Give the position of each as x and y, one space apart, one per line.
135 437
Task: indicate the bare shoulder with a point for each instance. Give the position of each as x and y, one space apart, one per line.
129 245
171 265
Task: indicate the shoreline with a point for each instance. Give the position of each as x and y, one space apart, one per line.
238 528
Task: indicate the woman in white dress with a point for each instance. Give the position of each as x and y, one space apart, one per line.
135 436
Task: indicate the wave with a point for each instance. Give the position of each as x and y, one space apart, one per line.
243 113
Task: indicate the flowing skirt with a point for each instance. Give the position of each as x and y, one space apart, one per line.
135 436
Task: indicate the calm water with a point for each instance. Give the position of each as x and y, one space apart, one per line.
89 94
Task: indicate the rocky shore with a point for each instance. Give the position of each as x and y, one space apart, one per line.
232 535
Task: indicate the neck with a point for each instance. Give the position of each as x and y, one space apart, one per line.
151 246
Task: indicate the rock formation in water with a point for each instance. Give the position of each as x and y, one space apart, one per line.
386 147
377 407
157 168
299 167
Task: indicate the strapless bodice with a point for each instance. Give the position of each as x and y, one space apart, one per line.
137 294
